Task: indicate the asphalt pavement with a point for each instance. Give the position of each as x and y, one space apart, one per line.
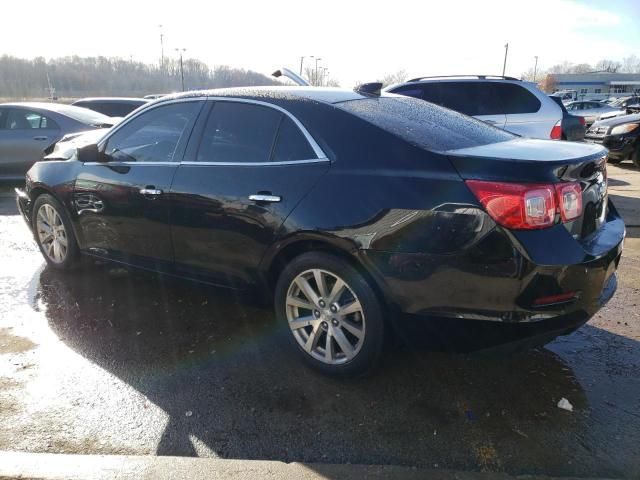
108 361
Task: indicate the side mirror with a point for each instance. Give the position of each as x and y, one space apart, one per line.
90 153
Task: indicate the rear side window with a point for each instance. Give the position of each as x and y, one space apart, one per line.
516 99
470 98
423 124
291 144
239 133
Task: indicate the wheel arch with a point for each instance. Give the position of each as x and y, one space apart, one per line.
286 250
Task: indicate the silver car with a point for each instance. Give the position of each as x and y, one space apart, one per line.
28 131
591 110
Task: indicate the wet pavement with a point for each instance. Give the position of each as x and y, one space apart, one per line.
109 361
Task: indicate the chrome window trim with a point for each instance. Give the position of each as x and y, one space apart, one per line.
256 164
314 145
129 164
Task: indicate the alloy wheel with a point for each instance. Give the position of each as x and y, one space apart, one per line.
325 316
52 234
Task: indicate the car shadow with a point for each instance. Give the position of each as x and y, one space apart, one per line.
214 362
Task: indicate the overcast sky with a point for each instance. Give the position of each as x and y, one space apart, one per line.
357 40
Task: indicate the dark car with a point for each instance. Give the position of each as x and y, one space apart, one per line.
362 214
571 127
111 106
29 130
621 135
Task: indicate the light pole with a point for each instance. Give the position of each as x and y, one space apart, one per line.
316 74
301 62
535 68
181 51
506 51
161 47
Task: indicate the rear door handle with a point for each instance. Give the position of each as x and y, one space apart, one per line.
492 122
40 137
150 191
261 197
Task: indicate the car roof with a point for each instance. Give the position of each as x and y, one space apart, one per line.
320 94
112 99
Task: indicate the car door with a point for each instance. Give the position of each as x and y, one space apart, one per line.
24 135
252 165
122 201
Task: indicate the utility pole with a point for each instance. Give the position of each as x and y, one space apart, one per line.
301 61
161 47
535 68
506 51
181 51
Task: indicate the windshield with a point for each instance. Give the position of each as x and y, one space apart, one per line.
424 124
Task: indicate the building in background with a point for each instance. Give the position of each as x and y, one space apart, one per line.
596 85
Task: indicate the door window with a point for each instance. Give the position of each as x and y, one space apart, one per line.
18 119
470 98
291 144
153 136
239 133
516 99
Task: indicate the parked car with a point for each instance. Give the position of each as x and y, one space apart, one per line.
111 106
571 127
591 110
361 213
625 102
621 135
505 102
566 95
30 130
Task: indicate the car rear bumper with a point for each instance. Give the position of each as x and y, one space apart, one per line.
496 284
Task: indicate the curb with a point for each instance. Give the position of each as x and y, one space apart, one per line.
51 466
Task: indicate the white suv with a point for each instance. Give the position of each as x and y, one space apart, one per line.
505 102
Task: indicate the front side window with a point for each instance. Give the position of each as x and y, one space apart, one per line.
239 133
154 135
18 119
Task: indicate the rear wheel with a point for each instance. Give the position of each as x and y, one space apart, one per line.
53 233
330 314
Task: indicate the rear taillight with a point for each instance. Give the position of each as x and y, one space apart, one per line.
582 121
556 131
528 206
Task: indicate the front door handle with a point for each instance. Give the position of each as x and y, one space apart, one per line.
492 122
150 191
261 197
42 137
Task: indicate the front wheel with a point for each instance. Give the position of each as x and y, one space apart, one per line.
331 316
53 233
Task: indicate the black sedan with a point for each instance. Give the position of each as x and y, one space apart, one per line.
621 135
111 106
363 214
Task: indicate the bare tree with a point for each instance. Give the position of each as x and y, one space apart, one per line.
606 65
391 78
630 64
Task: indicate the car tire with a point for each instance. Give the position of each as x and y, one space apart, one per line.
53 233
337 328
636 156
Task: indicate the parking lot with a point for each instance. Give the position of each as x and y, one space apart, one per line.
108 361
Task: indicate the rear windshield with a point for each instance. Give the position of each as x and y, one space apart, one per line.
424 124
83 115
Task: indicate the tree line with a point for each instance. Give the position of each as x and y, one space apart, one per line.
109 76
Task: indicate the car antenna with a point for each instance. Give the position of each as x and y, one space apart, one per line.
372 89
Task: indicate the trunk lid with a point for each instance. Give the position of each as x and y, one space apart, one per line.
528 161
